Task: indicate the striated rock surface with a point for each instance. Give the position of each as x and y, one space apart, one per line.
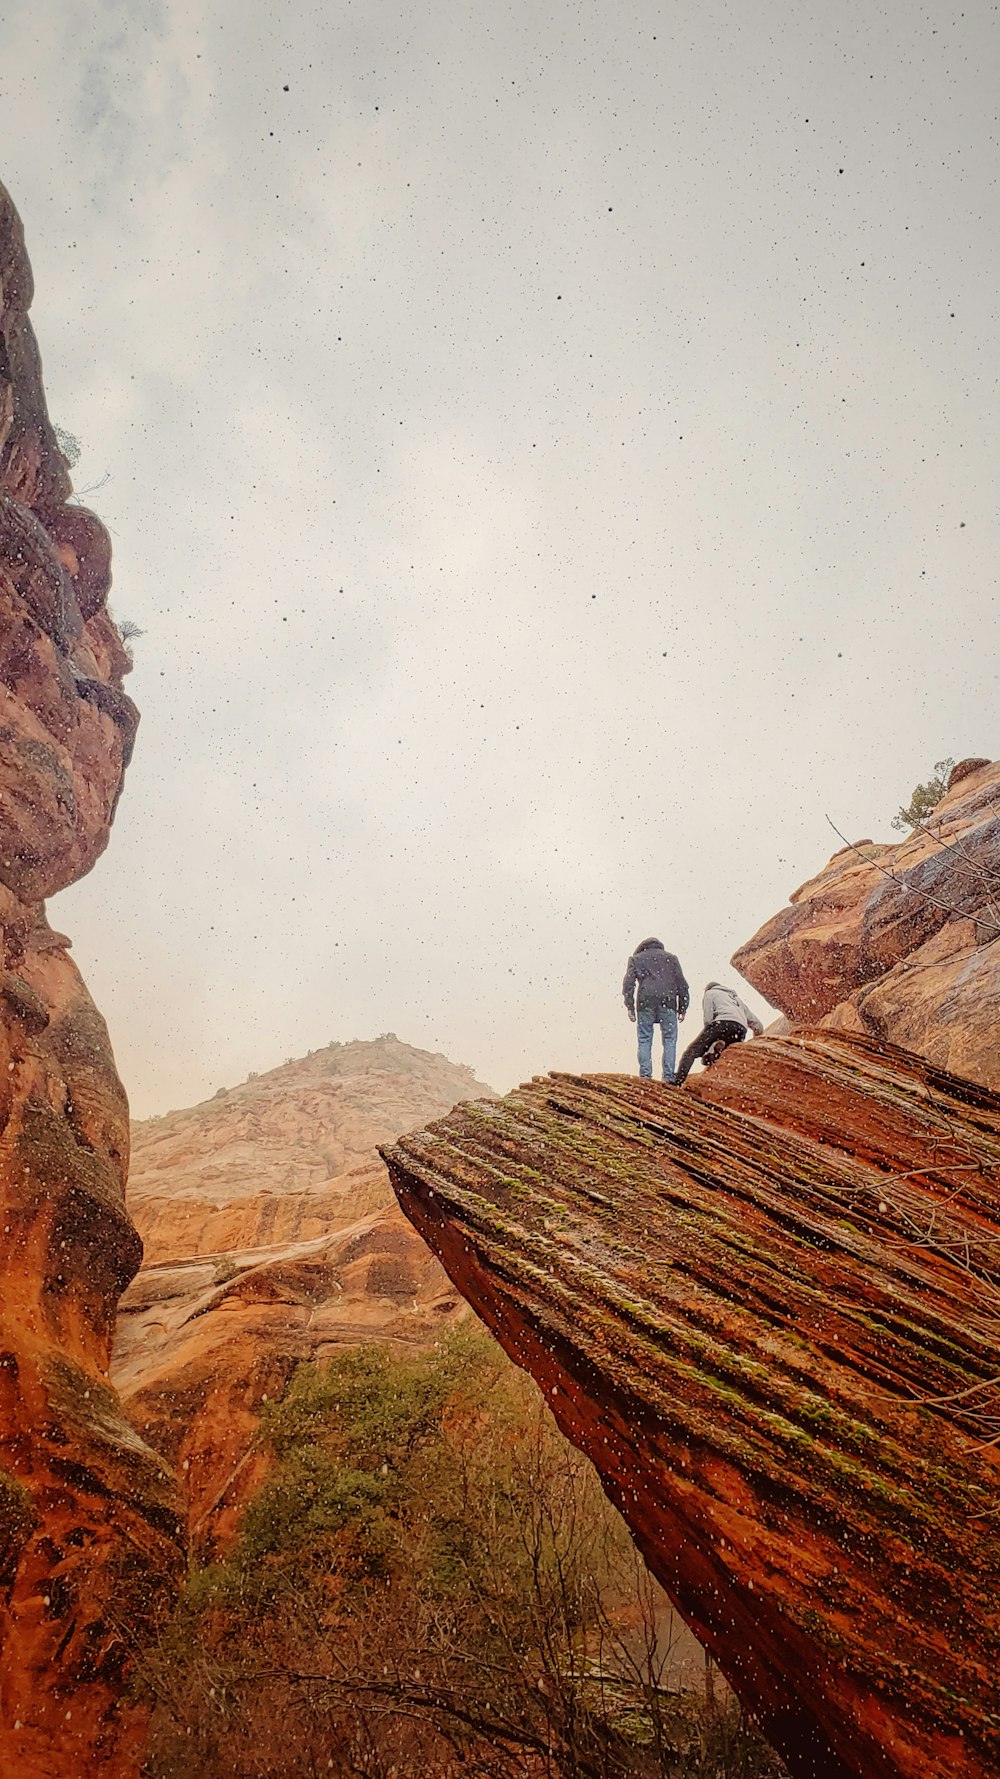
766 1307
902 942
90 1529
272 1236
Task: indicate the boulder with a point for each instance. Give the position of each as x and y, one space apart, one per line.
764 1305
901 941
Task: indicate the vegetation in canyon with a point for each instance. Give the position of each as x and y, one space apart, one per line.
431 1581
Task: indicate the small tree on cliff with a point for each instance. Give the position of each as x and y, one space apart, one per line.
925 797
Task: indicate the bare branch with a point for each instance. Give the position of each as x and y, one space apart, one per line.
949 907
977 869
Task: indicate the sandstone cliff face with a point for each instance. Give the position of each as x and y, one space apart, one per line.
272 1237
901 941
765 1307
267 1162
89 1523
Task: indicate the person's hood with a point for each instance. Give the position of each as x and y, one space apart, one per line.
649 945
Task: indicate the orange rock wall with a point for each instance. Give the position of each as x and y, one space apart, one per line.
182 1227
204 1343
90 1533
901 941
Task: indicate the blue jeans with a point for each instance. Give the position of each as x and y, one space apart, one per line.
666 1018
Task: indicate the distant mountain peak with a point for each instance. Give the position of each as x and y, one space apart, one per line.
291 1129
339 1060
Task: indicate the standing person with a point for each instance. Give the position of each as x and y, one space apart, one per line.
727 1020
655 994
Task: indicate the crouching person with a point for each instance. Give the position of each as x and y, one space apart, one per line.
727 1021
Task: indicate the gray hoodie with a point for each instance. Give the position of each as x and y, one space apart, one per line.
724 1003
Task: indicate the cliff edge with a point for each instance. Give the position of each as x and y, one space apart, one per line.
901 941
764 1306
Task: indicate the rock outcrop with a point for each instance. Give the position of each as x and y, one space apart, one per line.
272 1237
766 1307
902 942
90 1530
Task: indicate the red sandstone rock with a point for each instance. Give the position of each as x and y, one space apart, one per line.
901 941
90 1530
204 1343
765 1307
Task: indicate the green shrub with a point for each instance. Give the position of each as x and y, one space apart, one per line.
17 1519
925 798
430 1579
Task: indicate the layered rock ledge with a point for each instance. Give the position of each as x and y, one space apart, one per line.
90 1525
901 941
766 1308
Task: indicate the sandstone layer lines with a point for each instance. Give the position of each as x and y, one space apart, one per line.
726 1294
91 1533
901 941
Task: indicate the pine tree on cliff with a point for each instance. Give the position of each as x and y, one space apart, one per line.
925 797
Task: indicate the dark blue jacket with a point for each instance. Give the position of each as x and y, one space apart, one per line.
658 978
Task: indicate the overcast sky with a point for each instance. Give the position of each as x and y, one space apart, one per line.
552 454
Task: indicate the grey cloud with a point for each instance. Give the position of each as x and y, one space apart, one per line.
643 491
